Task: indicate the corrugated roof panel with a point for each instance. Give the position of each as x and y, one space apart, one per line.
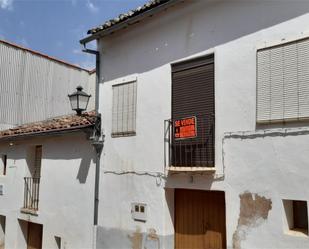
33 87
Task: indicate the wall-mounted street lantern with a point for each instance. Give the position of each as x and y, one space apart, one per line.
79 100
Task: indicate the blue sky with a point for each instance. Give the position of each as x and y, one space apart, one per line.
54 27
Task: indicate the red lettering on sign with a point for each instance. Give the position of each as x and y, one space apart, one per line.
185 128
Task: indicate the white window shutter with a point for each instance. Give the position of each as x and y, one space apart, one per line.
282 82
124 109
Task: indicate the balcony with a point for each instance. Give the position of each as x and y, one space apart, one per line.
189 144
31 195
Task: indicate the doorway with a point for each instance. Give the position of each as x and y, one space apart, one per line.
34 238
199 219
2 231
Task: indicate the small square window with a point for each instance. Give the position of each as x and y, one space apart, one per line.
139 211
296 217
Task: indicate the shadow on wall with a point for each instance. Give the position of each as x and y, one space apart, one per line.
63 151
189 28
84 168
190 181
22 234
74 150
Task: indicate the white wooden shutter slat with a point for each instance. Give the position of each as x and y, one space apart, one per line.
290 81
115 109
263 91
130 107
125 114
276 91
120 109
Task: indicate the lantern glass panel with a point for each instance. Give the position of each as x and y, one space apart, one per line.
73 100
83 102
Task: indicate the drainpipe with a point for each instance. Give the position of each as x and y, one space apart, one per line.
97 142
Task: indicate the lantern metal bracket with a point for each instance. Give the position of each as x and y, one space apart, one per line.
97 133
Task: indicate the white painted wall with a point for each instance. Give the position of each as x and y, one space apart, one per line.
274 167
2 231
66 191
91 90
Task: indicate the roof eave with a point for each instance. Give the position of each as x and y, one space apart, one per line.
54 132
128 22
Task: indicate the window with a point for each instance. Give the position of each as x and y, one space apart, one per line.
192 140
58 242
124 109
3 164
296 214
37 161
139 211
282 82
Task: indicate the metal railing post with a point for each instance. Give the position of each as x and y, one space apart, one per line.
31 193
192 152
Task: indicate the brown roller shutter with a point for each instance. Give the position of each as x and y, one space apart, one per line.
193 95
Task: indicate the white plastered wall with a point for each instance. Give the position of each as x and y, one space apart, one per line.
66 191
233 31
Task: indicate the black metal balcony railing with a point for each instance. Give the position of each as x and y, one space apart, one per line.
31 193
198 151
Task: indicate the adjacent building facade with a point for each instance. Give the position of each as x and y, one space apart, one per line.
47 172
47 161
34 86
205 114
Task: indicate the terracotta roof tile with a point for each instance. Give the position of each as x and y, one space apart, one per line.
68 122
122 17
